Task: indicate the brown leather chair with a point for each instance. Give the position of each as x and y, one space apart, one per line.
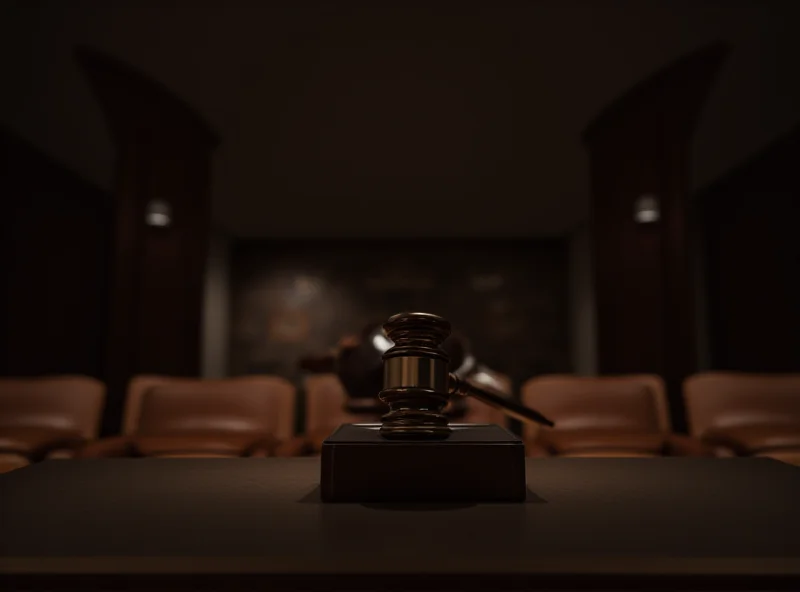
741 414
478 412
48 417
186 417
326 398
609 416
10 461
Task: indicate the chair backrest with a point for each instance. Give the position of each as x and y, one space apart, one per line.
325 400
164 404
478 412
71 403
10 461
634 401
731 399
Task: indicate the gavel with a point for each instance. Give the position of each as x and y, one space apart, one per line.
358 362
417 382
415 454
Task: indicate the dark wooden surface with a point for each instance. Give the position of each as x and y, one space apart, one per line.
474 463
586 523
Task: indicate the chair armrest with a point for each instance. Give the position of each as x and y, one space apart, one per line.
681 445
200 443
297 446
170 444
64 453
309 444
590 440
10 461
115 446
755 439
35 443
723 451
263 447
534 449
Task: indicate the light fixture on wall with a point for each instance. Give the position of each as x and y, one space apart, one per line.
646 209
158 213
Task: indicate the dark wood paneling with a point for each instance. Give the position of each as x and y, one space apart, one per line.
163 152
55 282
751 231
293 298
641 144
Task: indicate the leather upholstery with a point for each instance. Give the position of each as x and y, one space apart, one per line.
164 416
113 446
755 439
636 401
616 443
35 443
183 445
791 457
69 403
746 414
732 399
603 416
608 454
479 412
230 404
49 417
325 399
562 442
245 444
10 461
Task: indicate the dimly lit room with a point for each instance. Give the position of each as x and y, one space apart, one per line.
436 296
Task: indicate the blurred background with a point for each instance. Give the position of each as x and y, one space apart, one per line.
214 189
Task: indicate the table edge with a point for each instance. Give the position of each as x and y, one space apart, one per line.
303 566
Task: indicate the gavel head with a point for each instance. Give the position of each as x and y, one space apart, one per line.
415 376
359 365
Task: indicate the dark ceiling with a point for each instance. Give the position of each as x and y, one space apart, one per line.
336 115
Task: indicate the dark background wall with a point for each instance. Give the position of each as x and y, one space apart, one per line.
291 298
55 231
749 222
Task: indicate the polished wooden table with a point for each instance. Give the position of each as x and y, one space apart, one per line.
228 524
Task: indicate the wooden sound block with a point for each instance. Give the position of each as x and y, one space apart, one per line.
475 464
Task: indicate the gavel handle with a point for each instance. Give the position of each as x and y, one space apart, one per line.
507 406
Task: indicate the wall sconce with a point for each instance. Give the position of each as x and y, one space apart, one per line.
646 209
158 213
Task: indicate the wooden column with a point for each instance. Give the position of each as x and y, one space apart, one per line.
641 144
163 151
